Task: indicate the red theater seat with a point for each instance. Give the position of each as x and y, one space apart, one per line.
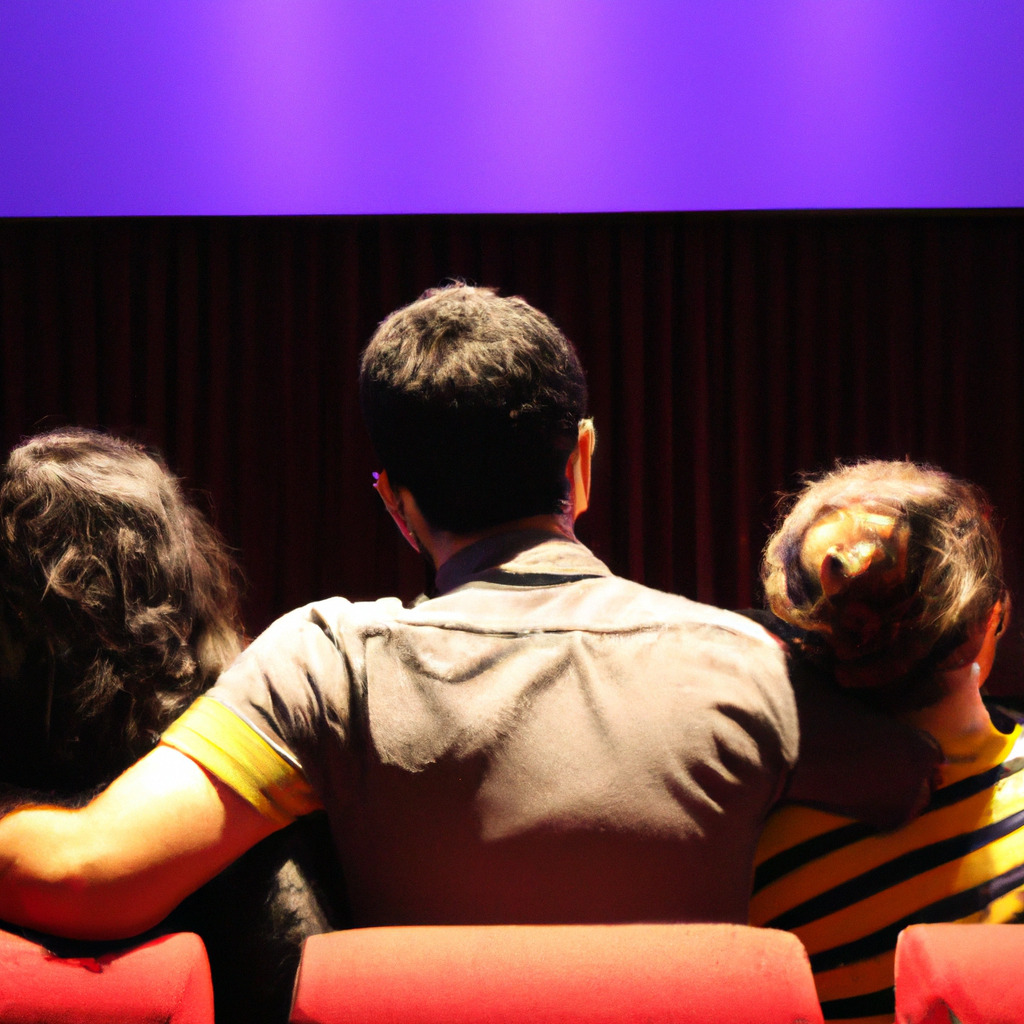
600 974
965 972
165 981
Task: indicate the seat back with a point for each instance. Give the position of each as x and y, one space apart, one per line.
165 981
601 974
965 972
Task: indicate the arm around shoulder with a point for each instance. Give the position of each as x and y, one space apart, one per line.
120 864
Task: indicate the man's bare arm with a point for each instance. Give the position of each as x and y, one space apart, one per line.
120 864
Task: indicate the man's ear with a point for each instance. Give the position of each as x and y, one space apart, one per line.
393 503
577 469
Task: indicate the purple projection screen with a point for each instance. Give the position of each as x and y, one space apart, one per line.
139 107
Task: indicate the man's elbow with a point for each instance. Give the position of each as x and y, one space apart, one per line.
61 887
75 905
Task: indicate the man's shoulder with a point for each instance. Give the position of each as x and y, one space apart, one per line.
676 608
598 603
336 620
330 610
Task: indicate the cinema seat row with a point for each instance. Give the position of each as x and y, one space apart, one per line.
570 974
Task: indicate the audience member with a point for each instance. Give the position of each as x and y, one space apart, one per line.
118 607
889 577
537 741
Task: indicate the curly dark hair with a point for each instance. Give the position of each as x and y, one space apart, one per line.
473 401
119 603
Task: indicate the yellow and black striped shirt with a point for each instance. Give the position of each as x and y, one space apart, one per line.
847 890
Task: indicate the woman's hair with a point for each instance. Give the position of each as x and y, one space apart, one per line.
886 565
118 605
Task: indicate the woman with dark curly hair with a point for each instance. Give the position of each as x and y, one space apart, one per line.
118 606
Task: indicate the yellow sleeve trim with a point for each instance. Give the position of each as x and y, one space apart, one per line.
231 749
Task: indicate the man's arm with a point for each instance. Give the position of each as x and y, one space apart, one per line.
120 864
857 761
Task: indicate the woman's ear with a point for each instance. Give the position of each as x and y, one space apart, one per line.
994 626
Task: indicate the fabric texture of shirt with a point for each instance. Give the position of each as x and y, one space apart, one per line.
847 890
540 742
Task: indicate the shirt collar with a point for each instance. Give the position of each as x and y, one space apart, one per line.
521 551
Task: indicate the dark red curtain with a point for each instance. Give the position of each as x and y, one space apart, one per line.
727 352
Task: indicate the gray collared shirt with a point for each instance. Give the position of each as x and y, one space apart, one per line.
540 742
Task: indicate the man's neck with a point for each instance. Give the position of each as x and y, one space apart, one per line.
442 545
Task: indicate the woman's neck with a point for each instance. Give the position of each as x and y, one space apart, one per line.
960 714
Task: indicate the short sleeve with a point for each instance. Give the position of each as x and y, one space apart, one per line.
233 751
275 726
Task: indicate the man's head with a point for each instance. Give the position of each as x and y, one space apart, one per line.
894 569
473 403
118 605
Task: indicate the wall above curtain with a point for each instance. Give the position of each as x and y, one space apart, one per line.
727 353
520 106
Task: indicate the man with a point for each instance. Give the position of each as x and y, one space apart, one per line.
537 741
892 575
